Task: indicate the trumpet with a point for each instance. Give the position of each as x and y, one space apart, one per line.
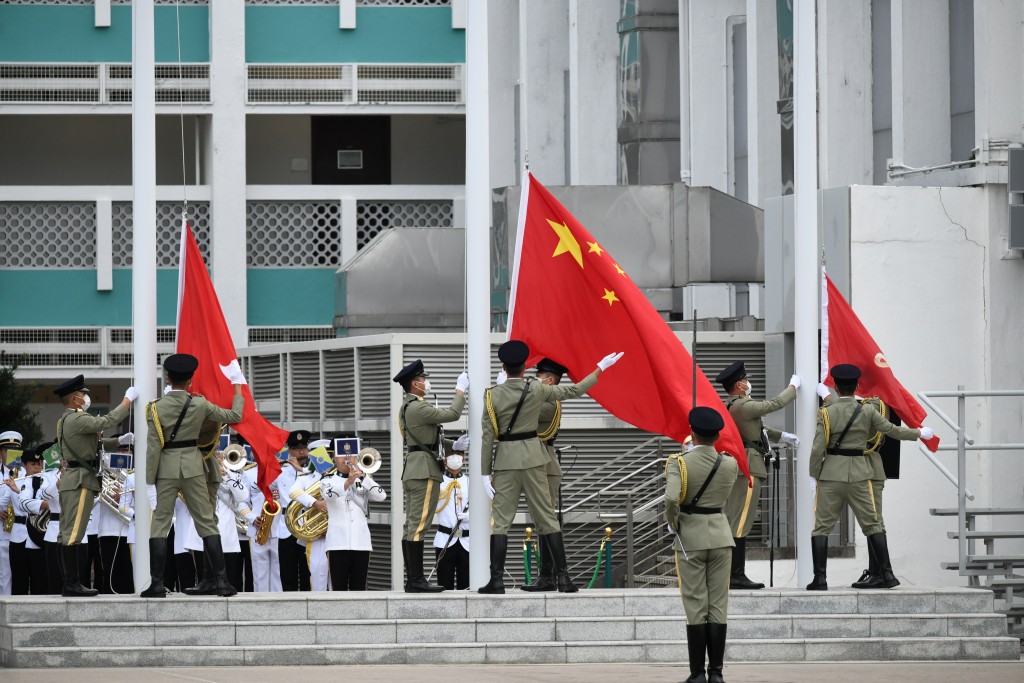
234 458
111 487
369 460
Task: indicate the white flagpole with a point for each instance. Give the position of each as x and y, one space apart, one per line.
143 263
807 275
478 276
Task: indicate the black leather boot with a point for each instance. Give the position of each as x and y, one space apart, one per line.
739 562
157 557
415 583
499 546
215 554
716 651
819 556
557 547
867 579
73 587
206 585
546 574
878 545
696 646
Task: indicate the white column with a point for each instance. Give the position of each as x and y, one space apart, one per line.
998 70
397 494
806 273
227 181
593 68
547 63
349 232
920 82
684 91
143 260
844 90
104 244
764 141
478 318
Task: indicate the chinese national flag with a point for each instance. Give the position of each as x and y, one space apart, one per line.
203 333
844 339
573 303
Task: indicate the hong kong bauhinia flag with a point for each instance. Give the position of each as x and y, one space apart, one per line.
203 333
844 339
573 303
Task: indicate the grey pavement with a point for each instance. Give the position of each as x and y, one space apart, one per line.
903 672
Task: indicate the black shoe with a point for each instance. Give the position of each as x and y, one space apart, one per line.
867 579
546 574
716 651
414 581
499 546
215 575
73 588
557 548
696 646
207 585
884 578
738 579
819 555
157 556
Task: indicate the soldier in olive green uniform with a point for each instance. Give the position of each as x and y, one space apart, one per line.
78 439
420 425
746 495
870 576
549 372
844 473
511 415
697 486
174 464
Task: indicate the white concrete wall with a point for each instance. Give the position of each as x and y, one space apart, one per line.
428 150
594 62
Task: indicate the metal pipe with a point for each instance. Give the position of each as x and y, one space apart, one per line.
630 566
942 468
961 472
941 415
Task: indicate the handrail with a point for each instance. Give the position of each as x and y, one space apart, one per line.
941 415
608 488
612 464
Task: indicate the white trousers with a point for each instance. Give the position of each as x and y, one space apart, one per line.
266 566
5 567
319 570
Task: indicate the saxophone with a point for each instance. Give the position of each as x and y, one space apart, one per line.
265 522
9 519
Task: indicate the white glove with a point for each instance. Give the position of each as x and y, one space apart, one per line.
461 444
795 381
823 391
609 360
168 389
131 394
790 439
462 383
233 371
926 433
126 439
500 379
489 485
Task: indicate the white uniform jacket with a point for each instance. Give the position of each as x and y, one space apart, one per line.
347 510
32 503
455 498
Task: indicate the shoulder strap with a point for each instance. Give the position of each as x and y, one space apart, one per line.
707 481
856 412
519 406
181 416
64 453
402 426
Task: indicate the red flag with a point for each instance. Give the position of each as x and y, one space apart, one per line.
203 333
572 302
844 339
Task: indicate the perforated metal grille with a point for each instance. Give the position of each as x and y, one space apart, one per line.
293 234
189 83
48 235
168 232
300 83
92 2
355 84
77 360
403 3
408 83
99 83
49 336
276 335
373 218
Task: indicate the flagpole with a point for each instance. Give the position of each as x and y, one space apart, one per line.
143 264
478 261
806 273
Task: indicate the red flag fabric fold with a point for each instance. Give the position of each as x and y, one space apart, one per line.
203 333
572 302
846 340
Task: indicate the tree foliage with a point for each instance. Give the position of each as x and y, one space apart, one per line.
14 400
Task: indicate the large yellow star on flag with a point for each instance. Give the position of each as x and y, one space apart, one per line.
595 248
566 242
610 297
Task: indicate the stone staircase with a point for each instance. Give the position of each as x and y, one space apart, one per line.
466 628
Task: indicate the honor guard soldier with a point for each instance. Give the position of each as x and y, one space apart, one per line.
871 576
744 499
77 432
843 473
697 486
8 440
174 464
420 425
511 417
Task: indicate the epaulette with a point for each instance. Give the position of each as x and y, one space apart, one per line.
152 416
552 428
879 405
682 473
825 422
489 406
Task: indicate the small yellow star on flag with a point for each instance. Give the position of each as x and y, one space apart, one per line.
609 296
619 270
595 248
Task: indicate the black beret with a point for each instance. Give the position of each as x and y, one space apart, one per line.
180 366
548 365
732 374
706 421
71 386
845 373
410 372
298 438
513 353
34 454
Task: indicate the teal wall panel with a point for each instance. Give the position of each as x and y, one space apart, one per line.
382 35
290 296
54 33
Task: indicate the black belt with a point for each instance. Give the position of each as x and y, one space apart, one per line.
430 448
180 444
844 451
695 510
18 519
92 464
756 445
517 437
448 530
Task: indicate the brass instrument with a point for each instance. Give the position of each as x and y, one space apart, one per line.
111 487
369 460
233 458
266 521
307 524
9 519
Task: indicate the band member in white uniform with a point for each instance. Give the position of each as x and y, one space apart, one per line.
347 495
294 565
112 531
8 440
35 500
266 564
28 565
316 550
453 518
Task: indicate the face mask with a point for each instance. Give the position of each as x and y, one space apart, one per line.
426 386
86 402
454 462
750 388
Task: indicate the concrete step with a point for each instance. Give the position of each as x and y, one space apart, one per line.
652 651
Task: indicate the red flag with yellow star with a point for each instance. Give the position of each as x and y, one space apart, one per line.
573 303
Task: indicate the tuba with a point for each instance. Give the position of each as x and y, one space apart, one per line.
111 487
307 524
